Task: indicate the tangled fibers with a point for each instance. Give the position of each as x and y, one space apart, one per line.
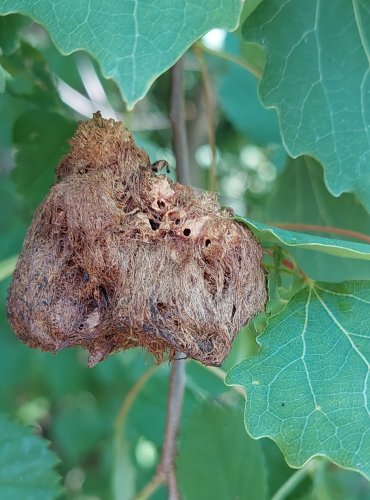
118 256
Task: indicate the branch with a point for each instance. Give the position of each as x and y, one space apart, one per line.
177 117
211 119
175 396
173 493
165 471
177 377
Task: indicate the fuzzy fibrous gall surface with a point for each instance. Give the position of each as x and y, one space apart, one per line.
118 256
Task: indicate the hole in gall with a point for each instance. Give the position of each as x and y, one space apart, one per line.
154 224
187 232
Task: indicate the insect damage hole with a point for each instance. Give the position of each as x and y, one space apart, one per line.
103 295
154 224
187 232
207 242
233 312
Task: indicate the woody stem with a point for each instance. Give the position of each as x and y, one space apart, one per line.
177 378
165 471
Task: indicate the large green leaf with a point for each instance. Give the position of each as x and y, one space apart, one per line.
134 41
299 196
274 235
217 459
317 77
308 387
26 464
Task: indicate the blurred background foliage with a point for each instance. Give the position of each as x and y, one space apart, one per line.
42 96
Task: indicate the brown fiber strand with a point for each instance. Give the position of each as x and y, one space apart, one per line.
118 256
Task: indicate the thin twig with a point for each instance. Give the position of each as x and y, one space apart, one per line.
150 488
173 493
129 400
175 396
211 119
165 470
231 58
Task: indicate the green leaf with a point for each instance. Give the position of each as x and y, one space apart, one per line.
42 138
299 196
133 41
316 76
31 80
273 235
26 464
308 387
249 7
10 108
217 459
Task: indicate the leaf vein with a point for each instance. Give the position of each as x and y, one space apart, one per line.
355 348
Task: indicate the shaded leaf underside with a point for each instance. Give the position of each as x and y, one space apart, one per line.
134 41
299 196
274 235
